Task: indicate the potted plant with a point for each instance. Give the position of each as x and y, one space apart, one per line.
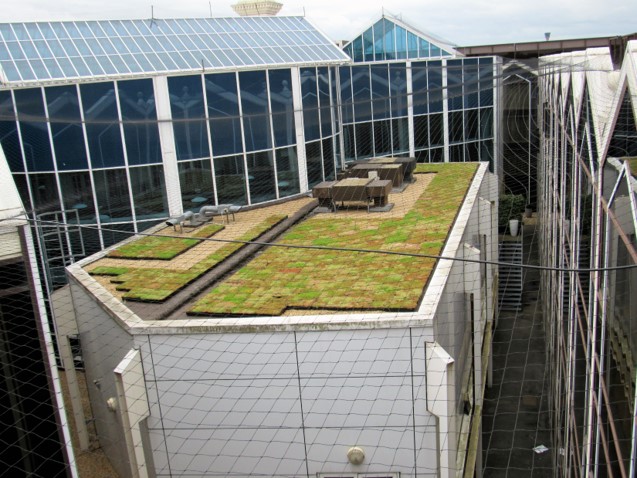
528 210
510 213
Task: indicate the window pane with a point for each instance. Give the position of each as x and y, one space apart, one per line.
102 125
287 169
382 138
486 123
471 124
454 84
261 177
380 91
364 140
223 109
436 130
471 83
400 134
401 43
9 133
45 193
195 179
314 163
33 126
111 192
78 194
346 94
421 136
66 127
137 102
231 181
149 192
324 101
282 107
189 117
486 81
434 74
398 82
362 96
328 159
455 127
419 85
309 94
348 143
254 104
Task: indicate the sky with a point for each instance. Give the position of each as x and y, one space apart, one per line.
463 22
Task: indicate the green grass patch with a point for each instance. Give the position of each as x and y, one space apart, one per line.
109 271
163 247
157 285
324 279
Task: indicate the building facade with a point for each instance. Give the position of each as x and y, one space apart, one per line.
588 217
122 124
297 394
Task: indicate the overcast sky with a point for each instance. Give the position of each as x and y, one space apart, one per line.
463 22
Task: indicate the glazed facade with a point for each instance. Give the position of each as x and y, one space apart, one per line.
588 213
121 150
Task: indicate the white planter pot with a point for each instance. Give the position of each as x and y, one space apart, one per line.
514 226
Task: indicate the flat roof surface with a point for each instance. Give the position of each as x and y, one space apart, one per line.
48 51
319 262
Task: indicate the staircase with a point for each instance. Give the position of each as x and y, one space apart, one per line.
510 271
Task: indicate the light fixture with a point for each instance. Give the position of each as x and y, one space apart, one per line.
355 455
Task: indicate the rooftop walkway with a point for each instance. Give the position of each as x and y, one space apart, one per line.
515 413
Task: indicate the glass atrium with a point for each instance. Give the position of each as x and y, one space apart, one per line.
122 124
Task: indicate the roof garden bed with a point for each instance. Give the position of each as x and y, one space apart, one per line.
327 279
157 285
164 247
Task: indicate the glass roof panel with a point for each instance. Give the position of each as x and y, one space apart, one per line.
67 67
94 66
59 30
113 47
25 70
96 29
107 46
84 29
232 56
143 62
7 32
168 60
119 64
155 61
184 26
20 31
29 49
95 47
196 26
4 53
9 69
186 40
118 44
15 50
101 63
72 30
83 48
43 49
132 65
39 69
221 57
132 45
54 69
47 32
34 31
81 67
